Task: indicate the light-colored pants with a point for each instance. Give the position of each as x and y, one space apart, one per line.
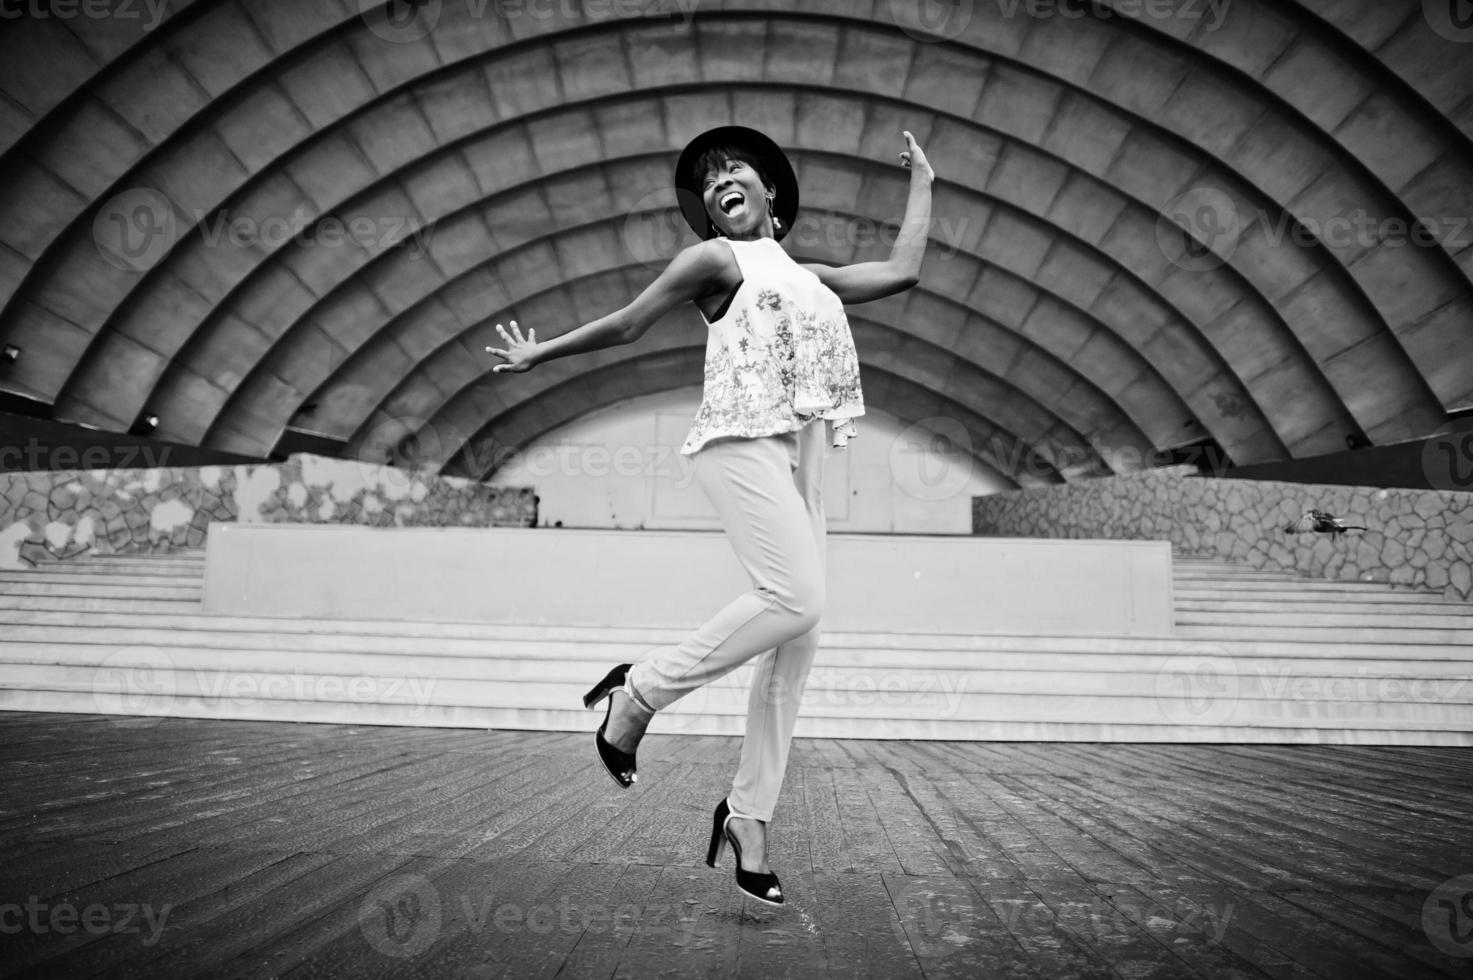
768 493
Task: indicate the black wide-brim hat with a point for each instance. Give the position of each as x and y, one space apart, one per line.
770 157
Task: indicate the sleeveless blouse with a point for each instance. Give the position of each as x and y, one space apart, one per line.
780 357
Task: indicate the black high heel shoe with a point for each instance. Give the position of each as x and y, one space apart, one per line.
762 887
619 764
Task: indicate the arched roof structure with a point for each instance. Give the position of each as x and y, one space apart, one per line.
1241 221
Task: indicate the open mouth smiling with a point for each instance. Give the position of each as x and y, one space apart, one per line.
731 201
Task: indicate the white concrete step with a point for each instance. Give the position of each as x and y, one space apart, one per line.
1320 634
562 680
92 603
10 582
1224 575
1234 582
837 708
1254 658
526 642
73 569
459 716
1327 600
103 564
840 700
579 661
1335 619
1189 611
108 589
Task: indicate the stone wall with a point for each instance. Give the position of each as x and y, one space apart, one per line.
54 515
1417 538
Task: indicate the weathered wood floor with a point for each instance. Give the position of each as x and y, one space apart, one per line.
203 848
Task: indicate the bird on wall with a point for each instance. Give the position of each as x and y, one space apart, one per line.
1320 522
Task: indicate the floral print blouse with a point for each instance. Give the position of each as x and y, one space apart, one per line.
781 356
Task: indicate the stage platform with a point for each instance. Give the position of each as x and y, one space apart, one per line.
896 583
168 847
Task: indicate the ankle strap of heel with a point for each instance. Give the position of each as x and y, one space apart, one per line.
633 695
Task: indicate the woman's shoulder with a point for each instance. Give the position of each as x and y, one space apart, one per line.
708 259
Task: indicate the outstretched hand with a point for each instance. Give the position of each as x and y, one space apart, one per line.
519 350
914 158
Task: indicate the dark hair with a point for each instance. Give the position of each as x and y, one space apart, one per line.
717 157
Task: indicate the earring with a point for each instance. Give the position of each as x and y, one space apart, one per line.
777 223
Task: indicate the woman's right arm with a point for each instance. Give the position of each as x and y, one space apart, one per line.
691 274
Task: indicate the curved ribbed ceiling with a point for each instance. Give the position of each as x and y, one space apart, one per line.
173 191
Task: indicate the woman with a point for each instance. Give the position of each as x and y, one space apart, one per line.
779 358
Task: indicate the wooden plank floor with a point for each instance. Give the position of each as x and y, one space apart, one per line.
178 847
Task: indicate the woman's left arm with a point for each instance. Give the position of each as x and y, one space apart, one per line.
865 281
